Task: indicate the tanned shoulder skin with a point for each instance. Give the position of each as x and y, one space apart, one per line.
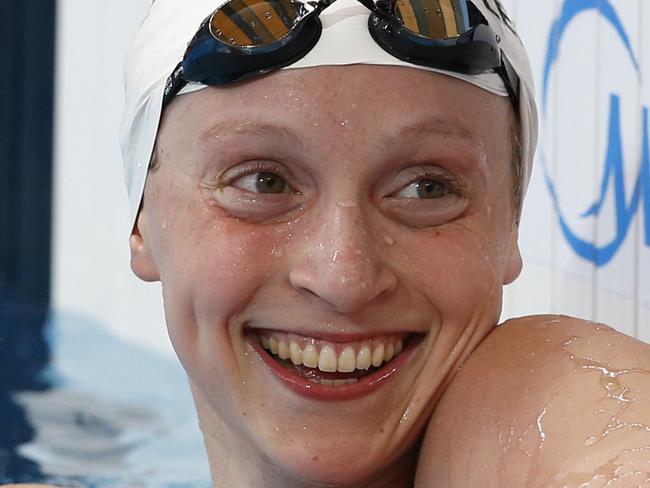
544 401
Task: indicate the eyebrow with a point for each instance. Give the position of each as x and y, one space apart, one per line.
402 135
255 127
426 127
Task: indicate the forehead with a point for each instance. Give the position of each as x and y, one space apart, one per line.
361 101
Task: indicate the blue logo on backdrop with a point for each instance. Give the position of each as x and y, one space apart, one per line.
613 179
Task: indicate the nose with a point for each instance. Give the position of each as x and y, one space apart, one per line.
341 264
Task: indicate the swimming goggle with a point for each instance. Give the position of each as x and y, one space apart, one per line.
244 38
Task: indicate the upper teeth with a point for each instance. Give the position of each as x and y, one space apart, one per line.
330 357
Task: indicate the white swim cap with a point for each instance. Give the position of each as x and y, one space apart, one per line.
163 37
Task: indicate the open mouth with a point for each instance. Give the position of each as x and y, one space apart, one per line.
333 370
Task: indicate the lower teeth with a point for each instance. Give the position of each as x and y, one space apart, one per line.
313 375
322 381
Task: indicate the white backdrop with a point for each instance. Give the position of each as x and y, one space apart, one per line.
91 274
586 226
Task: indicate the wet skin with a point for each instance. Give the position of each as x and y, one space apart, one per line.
350 248
544 402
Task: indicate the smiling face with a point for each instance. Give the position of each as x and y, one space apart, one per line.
356 218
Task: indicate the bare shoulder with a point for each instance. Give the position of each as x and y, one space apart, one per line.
544 401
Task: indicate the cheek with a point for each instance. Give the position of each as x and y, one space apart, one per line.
211 274
458 270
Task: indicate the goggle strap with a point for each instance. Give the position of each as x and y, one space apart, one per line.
511 82
175 83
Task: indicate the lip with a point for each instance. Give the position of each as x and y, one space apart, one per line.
314 391
330 336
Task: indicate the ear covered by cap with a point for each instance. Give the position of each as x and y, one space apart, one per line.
142 262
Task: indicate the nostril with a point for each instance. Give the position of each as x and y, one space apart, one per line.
305 291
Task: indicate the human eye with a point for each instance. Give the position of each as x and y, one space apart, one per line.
426 196
424 188
256 190
427 183
264 182
260 179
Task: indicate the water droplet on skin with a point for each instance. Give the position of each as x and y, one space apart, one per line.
344 122
348 204
570 341
405 416
610 381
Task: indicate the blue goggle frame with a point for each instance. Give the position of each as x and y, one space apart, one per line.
245 38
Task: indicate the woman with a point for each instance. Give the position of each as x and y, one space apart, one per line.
332 242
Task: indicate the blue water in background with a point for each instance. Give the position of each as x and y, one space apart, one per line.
97 412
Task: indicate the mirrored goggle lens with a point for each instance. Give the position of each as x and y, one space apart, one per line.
435 19
244 23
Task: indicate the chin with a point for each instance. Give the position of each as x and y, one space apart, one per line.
337 460
334 468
